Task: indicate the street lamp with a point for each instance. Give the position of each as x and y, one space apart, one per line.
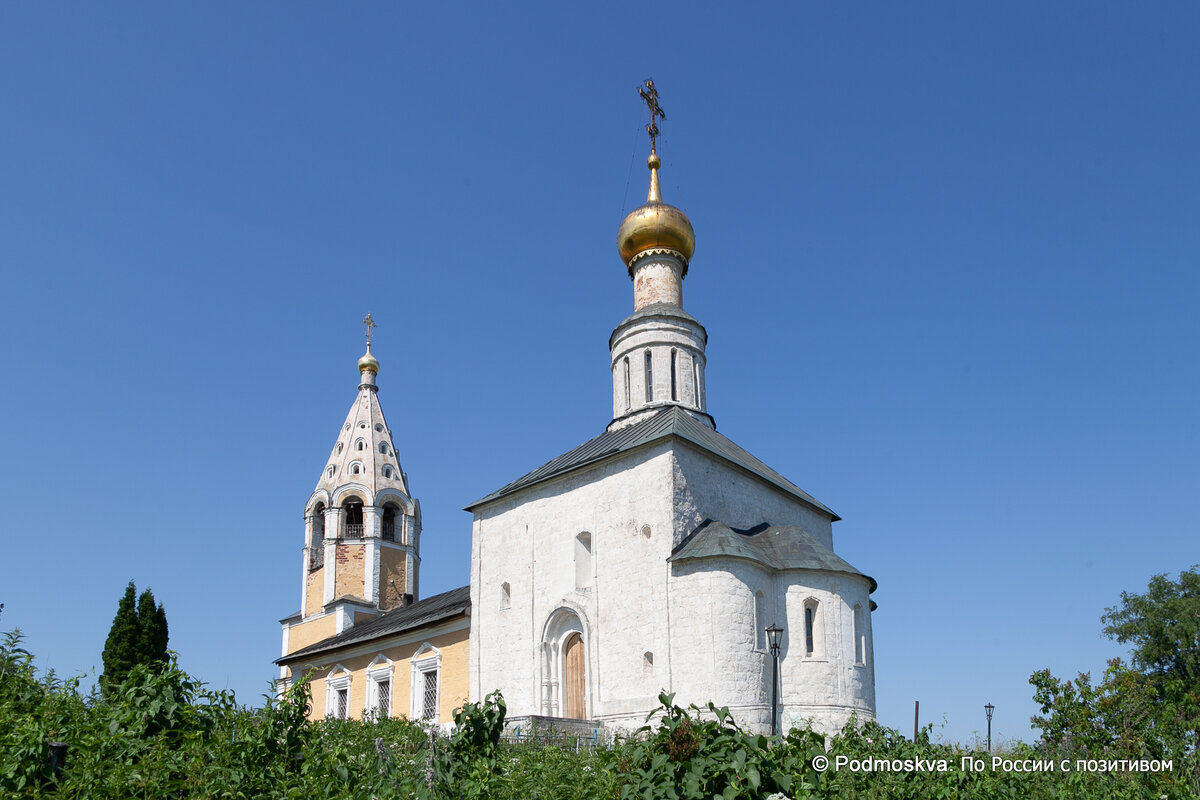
774 634
988 709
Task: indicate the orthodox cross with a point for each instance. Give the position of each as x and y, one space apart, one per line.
369 323
650 96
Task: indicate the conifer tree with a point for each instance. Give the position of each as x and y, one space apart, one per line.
152 630
138 636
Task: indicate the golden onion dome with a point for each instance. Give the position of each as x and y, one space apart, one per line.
656 225
368 363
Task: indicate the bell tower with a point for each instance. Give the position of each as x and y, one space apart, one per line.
362 527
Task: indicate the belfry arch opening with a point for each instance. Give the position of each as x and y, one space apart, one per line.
352 518
389 528
316 550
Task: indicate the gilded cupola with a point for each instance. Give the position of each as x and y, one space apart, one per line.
655 225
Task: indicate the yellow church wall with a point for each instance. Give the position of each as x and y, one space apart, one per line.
454 663
349 580
315 583
391 578
302 634
452 641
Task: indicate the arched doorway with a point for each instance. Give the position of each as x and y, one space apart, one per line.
574 678
564 666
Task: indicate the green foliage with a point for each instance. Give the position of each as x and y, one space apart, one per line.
1151 711
1127 716
161 734
688 756
138 636
122 645
152 630
1163 626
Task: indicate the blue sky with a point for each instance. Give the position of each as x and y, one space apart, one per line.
947 257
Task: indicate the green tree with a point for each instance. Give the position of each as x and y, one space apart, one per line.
1150 709
1163 628
152 630
138 636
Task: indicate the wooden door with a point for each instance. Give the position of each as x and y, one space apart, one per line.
576 705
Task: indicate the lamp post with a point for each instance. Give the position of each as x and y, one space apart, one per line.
988 709
774 634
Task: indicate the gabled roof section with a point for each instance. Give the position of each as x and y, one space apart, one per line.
399 620
780 547
669 421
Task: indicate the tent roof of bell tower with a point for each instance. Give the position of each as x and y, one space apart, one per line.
364 453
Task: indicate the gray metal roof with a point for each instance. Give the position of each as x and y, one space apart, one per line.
671 421
776 546
657 310
398 620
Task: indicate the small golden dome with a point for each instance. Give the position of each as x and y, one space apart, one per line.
655 225
368 363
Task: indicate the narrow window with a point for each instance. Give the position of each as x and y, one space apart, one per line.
649 379
646 531
814 629
429 695
342 709
354 468
760 620
387 471
860 636
379 427
505 595
810 614
583 560
339 447
383 448
674 390
696 383
628 405
383 697
329 472
360 444
648 664
426 665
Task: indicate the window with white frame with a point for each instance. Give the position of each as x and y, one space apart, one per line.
337 693
583 560
379 688
760 620
426 679
814 629
860 635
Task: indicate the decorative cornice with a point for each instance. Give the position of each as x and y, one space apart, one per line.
657 251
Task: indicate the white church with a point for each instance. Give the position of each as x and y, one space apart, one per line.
651 558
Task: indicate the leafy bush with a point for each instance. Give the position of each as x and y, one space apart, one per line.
161 734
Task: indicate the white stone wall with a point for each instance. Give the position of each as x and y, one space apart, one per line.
828 686
528 541
697 619
715 627
709 488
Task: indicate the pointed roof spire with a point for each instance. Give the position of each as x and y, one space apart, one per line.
368 363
